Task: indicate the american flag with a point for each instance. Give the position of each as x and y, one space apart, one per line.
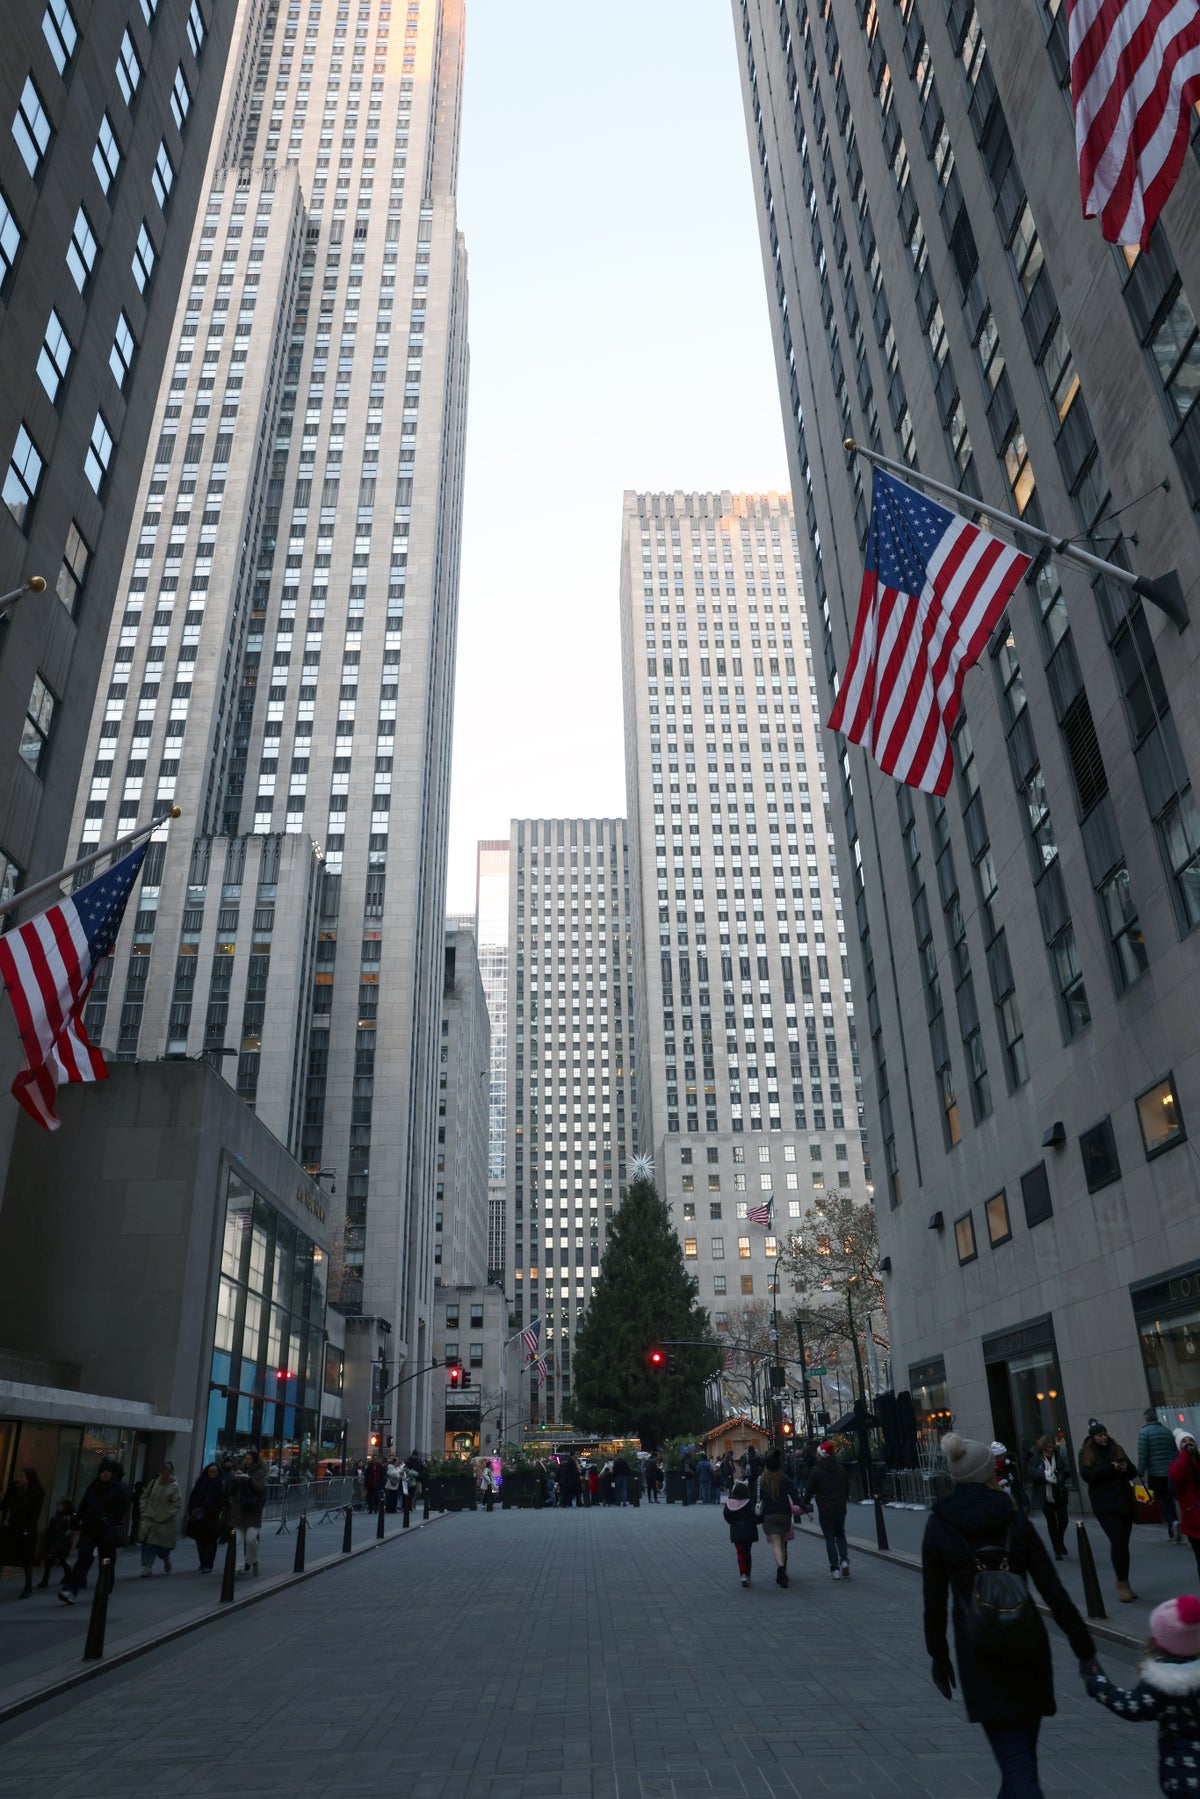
1135 76
730 1359
529 1337
48 967
540 1369
760 1214
934 589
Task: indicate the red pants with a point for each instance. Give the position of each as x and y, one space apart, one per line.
743 1556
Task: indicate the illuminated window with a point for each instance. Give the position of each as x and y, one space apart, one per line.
1159 1117
964 1237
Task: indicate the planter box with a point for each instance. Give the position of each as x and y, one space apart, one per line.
517 1490
673 1490
452 1493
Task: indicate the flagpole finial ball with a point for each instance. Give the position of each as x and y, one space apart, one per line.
175 812
37 584
848 443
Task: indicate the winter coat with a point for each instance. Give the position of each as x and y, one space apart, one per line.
829 1484
1035 1474
1184 1473
1110 1489
392 1477
975 1517
158 1522
18 1538
1168 1690
739 1515
102 1509
775 1509
247 1496
1155 1450
206 1502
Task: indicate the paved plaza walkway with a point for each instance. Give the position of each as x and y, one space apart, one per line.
605 1654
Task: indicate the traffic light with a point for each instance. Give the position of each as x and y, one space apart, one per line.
787 1427
374 1440
670 1361
466 1377
656 1360
455 1376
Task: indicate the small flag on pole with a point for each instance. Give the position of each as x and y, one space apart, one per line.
529 1337
48 967
730 1360
760 1214
934 589
1135 77
540 1368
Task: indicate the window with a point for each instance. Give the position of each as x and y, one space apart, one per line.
717 1245
59 31
73 570
1076 1012
39 717
99 454
1159 1117
764 1153
55 356
149 13
120 358
1124 931
144 258
129 69
714 1208
744 1248
1035 1191
1175 347
718 1283
1179 830
24 478
747 1283
106 157
195 30
964 1237
995 1210
163 178
181 100
1019 469
81 251
11 877
31 128
1026 251
1098 1147
689 1248
477 1355
10 241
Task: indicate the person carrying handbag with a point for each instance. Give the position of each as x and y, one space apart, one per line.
776 1498
1108 1473
974 1529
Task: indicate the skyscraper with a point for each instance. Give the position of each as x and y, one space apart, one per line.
491 935
284 660
746 1054
572 1102
105 116
460 1253
1024 949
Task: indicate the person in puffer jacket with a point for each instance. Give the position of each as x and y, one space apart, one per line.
1167 1692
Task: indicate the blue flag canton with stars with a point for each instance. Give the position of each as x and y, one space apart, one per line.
101 904
906 528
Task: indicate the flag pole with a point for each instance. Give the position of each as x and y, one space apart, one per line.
1166 592
55 880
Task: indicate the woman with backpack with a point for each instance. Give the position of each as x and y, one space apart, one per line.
1005 1668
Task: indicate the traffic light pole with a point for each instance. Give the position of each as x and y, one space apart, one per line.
402 1382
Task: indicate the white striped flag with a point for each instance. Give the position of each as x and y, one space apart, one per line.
760 1214
730 1359
540 1369
47 967
934 589
529 1336
1135 76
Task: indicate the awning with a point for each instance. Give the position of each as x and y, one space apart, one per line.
62 1405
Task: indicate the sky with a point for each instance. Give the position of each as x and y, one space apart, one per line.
619 339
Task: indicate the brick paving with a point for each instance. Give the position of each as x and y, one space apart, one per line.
605 1654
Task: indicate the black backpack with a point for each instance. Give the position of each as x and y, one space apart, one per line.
1000 1621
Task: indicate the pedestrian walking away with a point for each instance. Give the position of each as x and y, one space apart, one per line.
778 1502
1156 1450
829 1485
391 1484
206 1515
1048 1472
1167 1693
1108 1473
621 1473
158 1524
738 1513
487 1485
704 1474
247 1498
1184 1474
20 1516
101 1516
1007 1691
56 1550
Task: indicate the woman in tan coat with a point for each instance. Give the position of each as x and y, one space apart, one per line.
158 1528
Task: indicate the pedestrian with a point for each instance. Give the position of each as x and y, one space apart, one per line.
101 1515
620 1470
687 1467
373 1480
977 1525
247 1497
776 1498
829 1484
20 1516
1109 1476
1156 1450
593 1485
1048 1472
158 1526
56 1550
487 1485
704 1474
1167 1692
206 1515
738 1513
391 1484
1184 1474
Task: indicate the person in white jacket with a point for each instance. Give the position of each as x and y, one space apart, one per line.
391 1484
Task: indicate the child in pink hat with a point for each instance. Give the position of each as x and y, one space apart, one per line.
1168 1691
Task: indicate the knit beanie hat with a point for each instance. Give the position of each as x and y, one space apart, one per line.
966 1459
1182 1437
1175 1625
825 1449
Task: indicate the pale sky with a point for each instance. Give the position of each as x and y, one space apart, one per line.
619 339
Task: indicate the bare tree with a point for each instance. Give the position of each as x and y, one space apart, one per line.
835 1253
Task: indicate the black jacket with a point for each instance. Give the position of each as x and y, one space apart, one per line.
975 1517
742 1528
18 1538
1168 1692
829 1484
1109 1489
101 1511
775 1509
206 1502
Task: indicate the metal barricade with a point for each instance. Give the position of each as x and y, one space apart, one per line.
285 1505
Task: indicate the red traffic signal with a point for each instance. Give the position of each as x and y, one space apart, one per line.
374 1441
656 1359
455 1375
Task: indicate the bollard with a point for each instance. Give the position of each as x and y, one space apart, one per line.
1092 1600
301 1539
229 1572
407 1511
880 1527
380 1523
346 1530
425 1513
93 1648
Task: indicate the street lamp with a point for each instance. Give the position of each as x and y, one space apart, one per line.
35 584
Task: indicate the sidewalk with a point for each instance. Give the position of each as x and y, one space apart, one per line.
1158 1569
41 1640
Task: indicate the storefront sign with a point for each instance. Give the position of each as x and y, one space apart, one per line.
1038 1333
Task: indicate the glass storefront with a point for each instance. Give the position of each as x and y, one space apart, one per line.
1025 1388
268 1362
1167 1313
67 1456
931 1401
